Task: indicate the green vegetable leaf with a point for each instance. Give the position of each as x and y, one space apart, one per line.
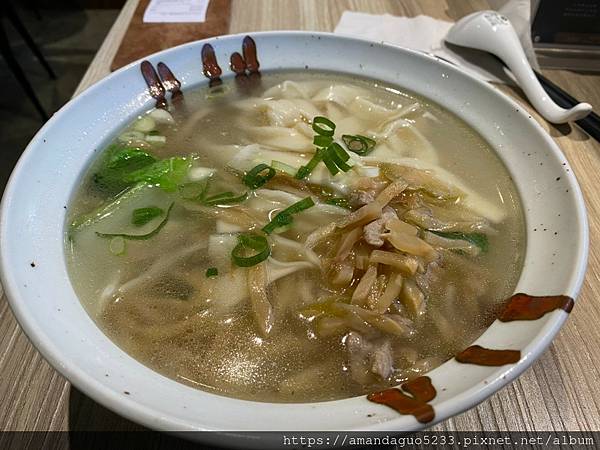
168 174
478 239
142 216
212 272
119 161
125 166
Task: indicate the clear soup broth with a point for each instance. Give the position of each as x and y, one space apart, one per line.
233 244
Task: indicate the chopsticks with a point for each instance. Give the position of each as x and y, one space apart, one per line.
590 123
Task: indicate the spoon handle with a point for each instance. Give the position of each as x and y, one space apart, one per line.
508 48
493 33
590 124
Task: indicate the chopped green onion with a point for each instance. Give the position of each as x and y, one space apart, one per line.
330 163
305 171
323 126
322 141
283 167
142 216
339 156
247 242
361 145
284 218
117 245
280 223
340 164
299 206
140 237
331 153
225 198
339 152
335 158
212 272
253 178
338 201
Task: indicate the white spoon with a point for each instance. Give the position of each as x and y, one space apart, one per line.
493 33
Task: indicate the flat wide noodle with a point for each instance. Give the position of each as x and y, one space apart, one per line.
259 299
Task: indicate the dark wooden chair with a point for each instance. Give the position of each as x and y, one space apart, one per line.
7 11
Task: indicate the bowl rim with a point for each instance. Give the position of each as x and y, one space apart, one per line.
145 415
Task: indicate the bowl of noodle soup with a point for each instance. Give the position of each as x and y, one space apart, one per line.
256 233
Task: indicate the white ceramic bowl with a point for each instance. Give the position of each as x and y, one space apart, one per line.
33 223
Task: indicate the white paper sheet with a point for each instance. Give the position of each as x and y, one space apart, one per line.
427 34
176 11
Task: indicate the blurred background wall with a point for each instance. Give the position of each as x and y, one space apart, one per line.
67 33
